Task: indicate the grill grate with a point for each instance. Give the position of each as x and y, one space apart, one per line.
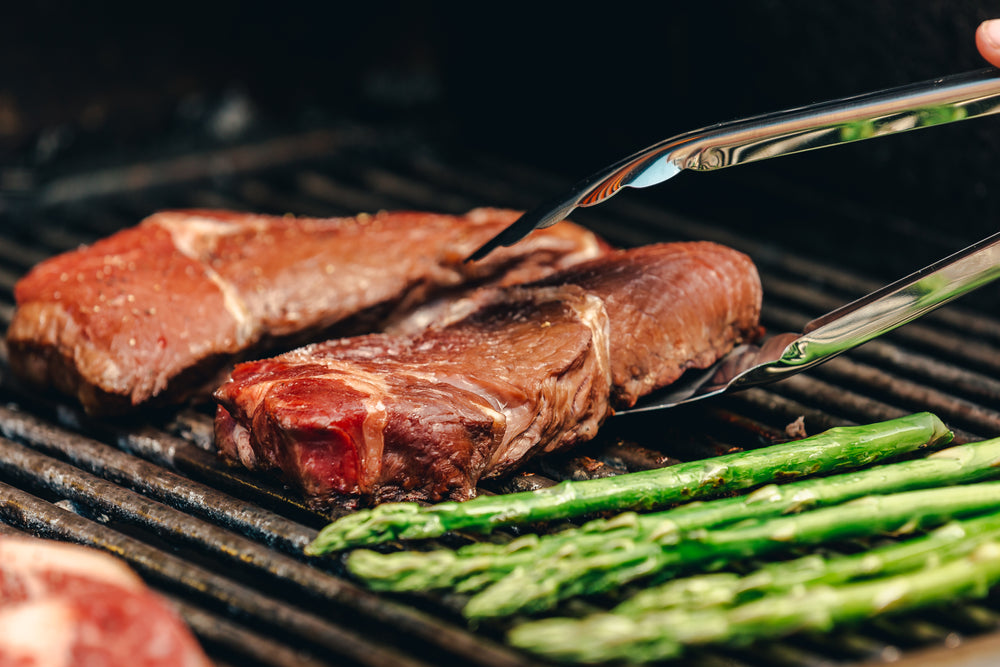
225 546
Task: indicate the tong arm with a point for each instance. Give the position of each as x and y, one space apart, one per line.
840 330
944 100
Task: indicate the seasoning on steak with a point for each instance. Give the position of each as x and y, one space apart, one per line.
66 605
510 373
158 311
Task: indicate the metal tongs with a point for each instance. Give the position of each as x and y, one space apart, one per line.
918 105
877 114
838 331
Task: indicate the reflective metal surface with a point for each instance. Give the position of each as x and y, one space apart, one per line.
935 102
840 330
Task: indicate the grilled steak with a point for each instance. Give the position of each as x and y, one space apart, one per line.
510 373
158 311
62 604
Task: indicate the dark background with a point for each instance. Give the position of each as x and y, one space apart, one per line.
568 91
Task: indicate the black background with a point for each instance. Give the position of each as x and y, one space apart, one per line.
569 90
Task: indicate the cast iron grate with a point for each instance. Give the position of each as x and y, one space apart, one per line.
225 546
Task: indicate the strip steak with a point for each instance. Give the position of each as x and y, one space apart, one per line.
156 312
508 374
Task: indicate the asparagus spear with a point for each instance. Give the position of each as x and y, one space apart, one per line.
544 584
663 634
836 449
475 566
954 539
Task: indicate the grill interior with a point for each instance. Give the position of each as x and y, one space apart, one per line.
224 545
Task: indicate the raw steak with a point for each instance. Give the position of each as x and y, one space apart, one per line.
65 605
158 311
509 373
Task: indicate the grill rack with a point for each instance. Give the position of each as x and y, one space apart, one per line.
225 546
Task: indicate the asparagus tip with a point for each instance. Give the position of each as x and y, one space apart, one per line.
371 526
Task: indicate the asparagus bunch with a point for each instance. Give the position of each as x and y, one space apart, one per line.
837 449
636 633
953 540
476 566
543 585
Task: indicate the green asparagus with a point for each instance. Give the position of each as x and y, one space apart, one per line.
544 584
954 539
837 449
664 634
477 565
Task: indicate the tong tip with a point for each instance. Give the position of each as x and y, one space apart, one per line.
537 218
490 246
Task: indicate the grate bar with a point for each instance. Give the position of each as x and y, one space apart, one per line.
250 647
108 498
178 575
887 353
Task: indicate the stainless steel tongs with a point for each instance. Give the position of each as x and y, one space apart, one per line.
843 329
926 104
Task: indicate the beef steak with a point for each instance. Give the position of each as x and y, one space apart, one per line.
508 373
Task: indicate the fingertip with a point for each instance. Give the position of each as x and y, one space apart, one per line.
988 41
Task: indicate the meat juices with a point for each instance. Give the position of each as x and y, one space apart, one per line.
65 605
156 312
510 373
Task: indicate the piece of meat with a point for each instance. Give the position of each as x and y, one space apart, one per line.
671 307
508 374
158 311
66 605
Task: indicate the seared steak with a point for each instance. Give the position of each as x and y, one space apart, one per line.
158 311
507 374
65 605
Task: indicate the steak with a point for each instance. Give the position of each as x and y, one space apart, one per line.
65 605
507 374
157 312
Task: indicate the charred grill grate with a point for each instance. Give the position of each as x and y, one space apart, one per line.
224 545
